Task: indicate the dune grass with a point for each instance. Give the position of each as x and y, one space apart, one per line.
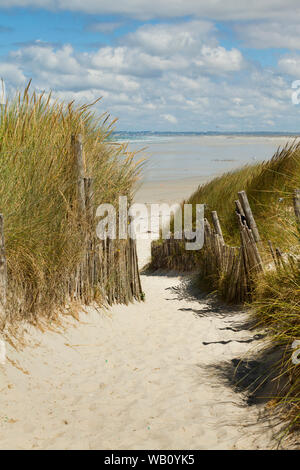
276 297
38 193
276 305
269 186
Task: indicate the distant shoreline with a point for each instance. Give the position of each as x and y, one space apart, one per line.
178 157
129 134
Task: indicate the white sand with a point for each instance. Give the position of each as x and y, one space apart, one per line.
130 378
168 191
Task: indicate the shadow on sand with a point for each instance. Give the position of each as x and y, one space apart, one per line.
256 377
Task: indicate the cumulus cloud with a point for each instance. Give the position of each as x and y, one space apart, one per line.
12 73
170 118
153 50
264 35
290 64
41 58
217 9
161 76
218 58
168 39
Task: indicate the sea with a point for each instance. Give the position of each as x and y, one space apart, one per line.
183 155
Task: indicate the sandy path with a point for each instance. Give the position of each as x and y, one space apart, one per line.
131 378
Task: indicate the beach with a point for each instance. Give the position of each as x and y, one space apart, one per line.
200 157
136 377
133 377
176 165
149 227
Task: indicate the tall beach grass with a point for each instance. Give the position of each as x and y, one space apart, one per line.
38 187
269 186
276 297
276 293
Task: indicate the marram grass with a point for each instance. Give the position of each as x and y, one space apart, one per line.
38 193
276 305
269 186
276 297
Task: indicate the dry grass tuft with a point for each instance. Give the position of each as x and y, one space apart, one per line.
38 194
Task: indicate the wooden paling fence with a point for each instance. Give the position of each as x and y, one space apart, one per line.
230 270
171 254
108 269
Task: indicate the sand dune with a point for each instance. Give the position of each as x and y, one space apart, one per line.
133 377
130 378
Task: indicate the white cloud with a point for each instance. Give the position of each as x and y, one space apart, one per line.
133 61
216 9
218 58
264 35
160 76
170 118
46 58
290 64
155 49
169 39
12 73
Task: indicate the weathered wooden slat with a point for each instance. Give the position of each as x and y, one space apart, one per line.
239 209
138 286
217 225
248 214
296 200
258 264
235 276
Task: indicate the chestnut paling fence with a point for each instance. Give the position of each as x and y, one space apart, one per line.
228 269
108 269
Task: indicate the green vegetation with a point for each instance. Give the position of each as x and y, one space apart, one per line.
276 293
276 298
276 305
269 187
38 188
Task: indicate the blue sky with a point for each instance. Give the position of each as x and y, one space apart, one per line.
189 65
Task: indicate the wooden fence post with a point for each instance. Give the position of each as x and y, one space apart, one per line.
114 269
248 214
3 266
239 209
217 225
296 200
80 276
